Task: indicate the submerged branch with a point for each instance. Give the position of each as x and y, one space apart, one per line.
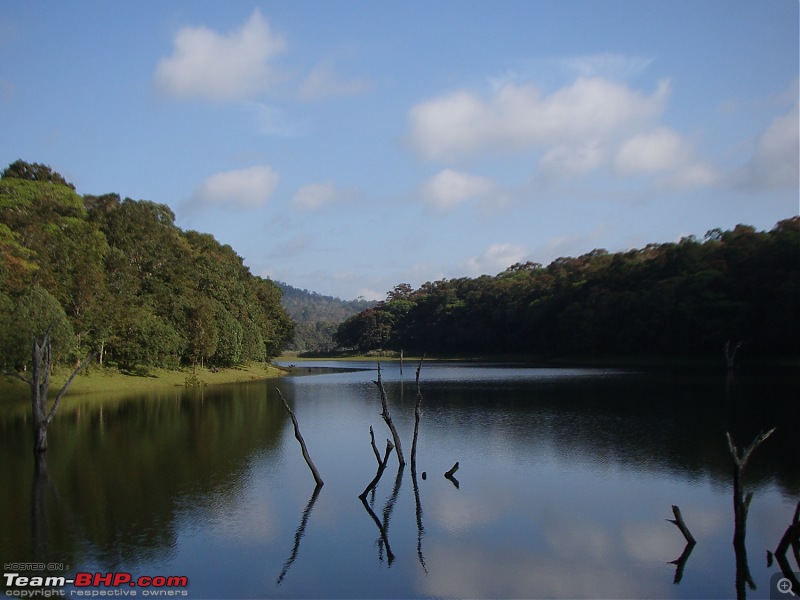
381 468
680 524
449 475
388 418
417 413
300 439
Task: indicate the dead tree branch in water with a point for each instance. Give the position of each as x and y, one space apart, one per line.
300 439
680 562
449 475
680 524
388 418
39 383
417 501
381 468
417 413
374 447
741 506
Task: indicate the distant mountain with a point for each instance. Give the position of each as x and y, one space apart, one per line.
317 316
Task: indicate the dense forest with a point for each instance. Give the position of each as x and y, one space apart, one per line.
118 277
316 317
687 298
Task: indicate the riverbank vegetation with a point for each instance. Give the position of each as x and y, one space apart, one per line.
684 299
118 277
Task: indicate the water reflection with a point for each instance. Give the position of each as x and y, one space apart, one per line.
120 473
298 535
567 481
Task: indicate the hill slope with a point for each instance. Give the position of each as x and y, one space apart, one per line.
316 316
119 277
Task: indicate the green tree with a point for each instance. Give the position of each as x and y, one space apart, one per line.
202 332
34 312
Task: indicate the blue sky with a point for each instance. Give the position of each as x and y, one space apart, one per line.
346 146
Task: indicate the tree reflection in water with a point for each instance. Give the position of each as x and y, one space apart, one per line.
298 535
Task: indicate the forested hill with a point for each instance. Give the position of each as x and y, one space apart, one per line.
119 277
316 316
678 299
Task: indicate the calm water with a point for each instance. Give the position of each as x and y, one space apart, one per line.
566 478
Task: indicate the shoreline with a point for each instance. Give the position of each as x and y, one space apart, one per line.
111 381
643 362
104 381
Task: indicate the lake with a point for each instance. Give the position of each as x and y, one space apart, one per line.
566 478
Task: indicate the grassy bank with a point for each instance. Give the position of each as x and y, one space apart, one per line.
96 380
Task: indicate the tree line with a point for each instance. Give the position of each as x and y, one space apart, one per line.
118 277
684 298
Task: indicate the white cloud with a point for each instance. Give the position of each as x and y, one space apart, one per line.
663 152
315 196
496 258
246 188
325 82
449 188
574 159
516 117
776 162
207 65
656 151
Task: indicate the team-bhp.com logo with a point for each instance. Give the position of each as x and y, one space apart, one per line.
95 585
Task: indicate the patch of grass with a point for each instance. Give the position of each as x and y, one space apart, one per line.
109 380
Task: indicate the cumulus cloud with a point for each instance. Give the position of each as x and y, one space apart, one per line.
574 159
207 65
315 196
517 117
325 82
652 152
246 188
449 188
496 258
665 153
776 162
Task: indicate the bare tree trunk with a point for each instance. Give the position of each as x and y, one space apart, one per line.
741 506
680 524
300 439
388 418
39 384
417 413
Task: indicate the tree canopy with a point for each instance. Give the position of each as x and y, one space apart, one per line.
684 298
126 279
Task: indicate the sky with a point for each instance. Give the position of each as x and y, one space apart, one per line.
348 146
